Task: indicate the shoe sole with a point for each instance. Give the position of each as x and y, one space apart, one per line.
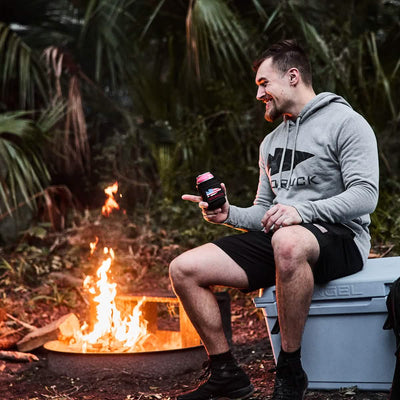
240 394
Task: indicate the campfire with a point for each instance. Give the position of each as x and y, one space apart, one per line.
110 332
122 324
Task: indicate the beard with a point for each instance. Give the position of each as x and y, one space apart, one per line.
272 112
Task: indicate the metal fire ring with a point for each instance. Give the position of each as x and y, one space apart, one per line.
140 364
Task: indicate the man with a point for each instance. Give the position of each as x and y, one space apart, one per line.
309 222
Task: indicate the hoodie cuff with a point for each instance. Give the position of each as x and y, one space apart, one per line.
232 217
305 212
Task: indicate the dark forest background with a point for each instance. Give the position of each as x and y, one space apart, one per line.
150 93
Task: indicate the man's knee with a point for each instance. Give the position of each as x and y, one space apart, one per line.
177 269
182 268
292 247
287 245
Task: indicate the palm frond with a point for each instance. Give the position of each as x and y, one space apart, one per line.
72 147
213 30
381 79
23 171
151 19
20 69
104 27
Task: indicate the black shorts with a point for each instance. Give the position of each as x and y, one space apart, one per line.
339 255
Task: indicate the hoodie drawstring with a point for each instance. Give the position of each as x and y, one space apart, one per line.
294 151
296 134
284 153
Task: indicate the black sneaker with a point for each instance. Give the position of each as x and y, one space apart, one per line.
289 386
226 381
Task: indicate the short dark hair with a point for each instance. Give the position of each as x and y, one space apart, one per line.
287 54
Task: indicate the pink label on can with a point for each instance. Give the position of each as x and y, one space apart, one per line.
204 177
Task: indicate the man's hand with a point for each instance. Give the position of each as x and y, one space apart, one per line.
280 215
216 216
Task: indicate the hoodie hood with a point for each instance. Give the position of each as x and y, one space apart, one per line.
318 102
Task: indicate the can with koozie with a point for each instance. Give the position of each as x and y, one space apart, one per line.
210 190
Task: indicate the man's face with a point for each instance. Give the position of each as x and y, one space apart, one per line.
272 90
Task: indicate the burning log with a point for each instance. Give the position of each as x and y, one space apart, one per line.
63 328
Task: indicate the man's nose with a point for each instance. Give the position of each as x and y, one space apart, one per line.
260 93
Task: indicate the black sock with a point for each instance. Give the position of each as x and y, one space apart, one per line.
222 358
290 355
290 362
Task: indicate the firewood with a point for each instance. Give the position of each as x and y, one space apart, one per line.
24 324
17 356
9 339
63 328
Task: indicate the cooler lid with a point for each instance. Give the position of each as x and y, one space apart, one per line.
374 280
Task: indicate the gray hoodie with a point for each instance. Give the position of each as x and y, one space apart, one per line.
325 164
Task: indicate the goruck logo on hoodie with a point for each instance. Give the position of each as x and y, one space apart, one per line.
275 165
274 161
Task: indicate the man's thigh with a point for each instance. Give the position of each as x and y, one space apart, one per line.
339 255
253 252
209 265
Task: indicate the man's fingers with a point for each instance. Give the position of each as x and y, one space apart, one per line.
211 213
270 213
192 197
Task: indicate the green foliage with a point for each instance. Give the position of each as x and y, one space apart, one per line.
215 38
31 262
385 228
56 296
184 223
20 69
23 171
165 90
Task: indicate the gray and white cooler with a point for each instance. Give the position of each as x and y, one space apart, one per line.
344 344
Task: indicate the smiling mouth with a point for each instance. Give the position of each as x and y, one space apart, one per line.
267 100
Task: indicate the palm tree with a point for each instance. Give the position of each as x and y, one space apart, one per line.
157 91
45 48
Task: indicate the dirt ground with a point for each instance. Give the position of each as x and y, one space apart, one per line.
35 381
31 291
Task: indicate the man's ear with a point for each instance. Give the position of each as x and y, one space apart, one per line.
294 76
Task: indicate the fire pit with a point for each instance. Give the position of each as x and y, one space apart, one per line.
171 352
124 333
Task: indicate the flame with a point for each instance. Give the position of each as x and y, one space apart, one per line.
93 246
110 331
110 203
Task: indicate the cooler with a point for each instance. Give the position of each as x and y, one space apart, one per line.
343 343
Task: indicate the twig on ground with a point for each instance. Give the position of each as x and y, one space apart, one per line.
17 356
28 326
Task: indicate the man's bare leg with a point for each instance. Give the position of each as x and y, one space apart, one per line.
296 250
192 274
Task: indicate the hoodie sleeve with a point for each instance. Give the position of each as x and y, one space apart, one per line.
249 218
358 157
